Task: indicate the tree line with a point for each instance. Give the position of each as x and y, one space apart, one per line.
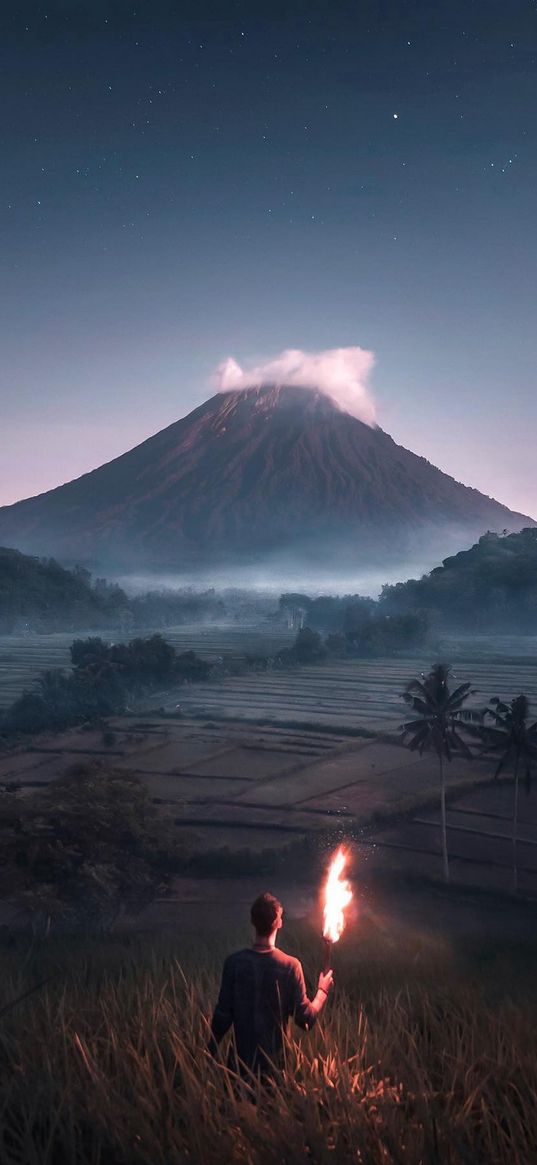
491 587
444 724
102 680
39 595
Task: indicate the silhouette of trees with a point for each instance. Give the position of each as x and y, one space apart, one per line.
437 727
514 737
491 587
103 678
85 849
41 594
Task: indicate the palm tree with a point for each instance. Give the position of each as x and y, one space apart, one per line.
515 738
438 711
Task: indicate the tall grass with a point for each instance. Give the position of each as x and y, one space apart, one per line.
416 1060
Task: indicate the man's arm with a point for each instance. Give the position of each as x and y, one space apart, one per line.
223 1012
306 1010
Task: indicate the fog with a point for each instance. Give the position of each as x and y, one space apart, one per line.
269 581
340 571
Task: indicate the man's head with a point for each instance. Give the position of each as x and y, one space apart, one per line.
266 915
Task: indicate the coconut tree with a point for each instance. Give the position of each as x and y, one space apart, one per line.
512 736
438 710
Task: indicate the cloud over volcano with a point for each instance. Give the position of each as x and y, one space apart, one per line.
341 373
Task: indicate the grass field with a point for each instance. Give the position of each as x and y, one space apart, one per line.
421 1057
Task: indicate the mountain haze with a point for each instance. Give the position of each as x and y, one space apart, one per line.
260 472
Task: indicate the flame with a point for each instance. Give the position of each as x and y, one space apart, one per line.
337 896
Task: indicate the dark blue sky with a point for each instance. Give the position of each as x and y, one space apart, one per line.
181 182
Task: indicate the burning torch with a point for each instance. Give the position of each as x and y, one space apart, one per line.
337 896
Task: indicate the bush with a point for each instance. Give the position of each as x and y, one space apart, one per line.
103 678
85 849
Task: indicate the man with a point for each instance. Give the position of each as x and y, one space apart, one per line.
261 988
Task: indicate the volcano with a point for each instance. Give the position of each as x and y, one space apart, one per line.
249 475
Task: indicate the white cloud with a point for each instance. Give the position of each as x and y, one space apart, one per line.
341 373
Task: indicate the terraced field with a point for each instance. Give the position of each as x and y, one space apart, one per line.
238 785
22 657
347 693
234 784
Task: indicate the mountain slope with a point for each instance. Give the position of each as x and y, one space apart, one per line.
39 594
260 471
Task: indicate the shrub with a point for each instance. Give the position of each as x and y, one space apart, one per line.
85 849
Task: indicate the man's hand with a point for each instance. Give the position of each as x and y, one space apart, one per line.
326 982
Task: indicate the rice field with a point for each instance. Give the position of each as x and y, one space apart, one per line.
22 657
348 693
342 694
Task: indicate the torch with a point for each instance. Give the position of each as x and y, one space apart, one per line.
337 896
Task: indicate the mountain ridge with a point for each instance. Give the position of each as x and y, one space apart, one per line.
267 469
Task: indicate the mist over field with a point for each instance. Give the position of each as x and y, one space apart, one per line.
341 571
271 580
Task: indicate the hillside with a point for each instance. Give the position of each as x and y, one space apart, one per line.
491 587
40 595
266 472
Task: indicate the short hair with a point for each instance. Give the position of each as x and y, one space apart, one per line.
264 913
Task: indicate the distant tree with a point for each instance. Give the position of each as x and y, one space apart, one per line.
28 713
512 736
188 666
308 646
103 678
437 727
85 849
357 612
88 652
388 634
336 644
292 599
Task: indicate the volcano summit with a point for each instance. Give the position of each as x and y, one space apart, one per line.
252 475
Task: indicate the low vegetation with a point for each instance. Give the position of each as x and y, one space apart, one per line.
419 1058
84 850
102 680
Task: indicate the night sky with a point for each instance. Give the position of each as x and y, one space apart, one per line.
183 182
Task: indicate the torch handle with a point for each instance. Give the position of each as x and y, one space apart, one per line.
327 955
